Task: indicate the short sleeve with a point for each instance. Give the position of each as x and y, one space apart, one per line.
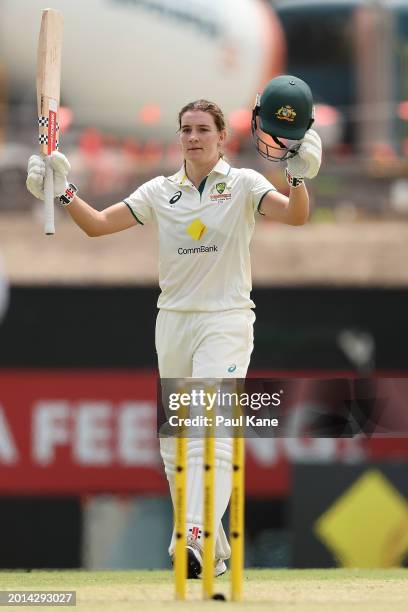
141 201
258 187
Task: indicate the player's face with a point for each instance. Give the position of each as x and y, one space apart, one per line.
200 139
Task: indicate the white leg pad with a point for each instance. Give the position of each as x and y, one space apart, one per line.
194 527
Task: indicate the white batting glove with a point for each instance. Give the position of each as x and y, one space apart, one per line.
307 162
36 173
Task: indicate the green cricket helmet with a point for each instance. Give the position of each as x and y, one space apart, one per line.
284 110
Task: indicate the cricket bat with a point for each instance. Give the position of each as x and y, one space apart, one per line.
48 97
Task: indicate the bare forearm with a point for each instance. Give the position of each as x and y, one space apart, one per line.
298 206
86 217
292 210
93 222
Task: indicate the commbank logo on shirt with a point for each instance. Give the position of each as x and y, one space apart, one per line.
196 231
200 249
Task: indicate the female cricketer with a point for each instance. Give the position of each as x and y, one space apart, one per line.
205 214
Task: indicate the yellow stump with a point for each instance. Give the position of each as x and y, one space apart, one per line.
208 510
237 518
180 553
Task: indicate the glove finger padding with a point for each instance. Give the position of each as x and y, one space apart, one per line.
297 167
35 176
36 172
35 185
60 163
61 167
36 164
311 152
307 162
312 137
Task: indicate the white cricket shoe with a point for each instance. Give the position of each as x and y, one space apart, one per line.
195 561
220 568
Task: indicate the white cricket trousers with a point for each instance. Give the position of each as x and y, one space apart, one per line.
203 345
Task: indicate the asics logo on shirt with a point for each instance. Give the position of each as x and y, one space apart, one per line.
175 198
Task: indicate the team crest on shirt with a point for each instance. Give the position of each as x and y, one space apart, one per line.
220 193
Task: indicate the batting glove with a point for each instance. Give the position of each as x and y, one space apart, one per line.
36 173
307 162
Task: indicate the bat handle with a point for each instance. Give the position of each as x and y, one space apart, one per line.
49 227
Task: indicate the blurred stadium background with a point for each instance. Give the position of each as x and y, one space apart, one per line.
81 481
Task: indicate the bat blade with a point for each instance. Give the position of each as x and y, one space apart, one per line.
48 97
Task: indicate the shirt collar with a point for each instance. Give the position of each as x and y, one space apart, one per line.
222 167
181 178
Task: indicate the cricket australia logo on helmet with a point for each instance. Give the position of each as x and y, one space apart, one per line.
281 117
286 113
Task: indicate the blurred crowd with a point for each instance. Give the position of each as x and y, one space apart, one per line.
108 167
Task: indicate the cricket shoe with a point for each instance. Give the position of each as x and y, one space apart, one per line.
219 568
194 558
195 561
194 566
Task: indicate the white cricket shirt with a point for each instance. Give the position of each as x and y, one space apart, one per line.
204 262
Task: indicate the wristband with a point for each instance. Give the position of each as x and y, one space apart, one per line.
293 181
69 194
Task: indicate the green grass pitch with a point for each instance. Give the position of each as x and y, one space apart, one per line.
277 590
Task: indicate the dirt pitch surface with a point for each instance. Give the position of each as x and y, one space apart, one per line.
280 590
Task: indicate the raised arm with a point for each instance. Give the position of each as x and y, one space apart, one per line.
93 222
292 210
